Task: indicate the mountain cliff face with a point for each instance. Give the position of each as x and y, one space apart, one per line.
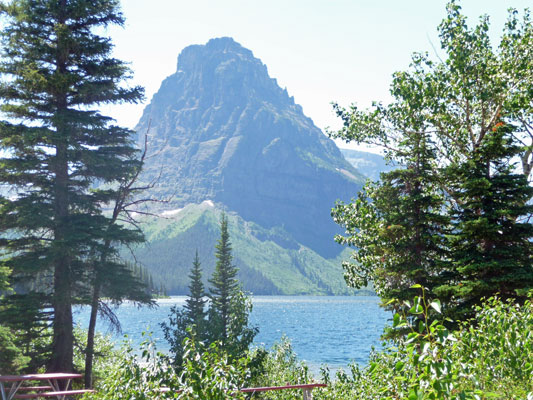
221 129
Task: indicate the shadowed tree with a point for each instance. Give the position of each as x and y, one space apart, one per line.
195 303
57 70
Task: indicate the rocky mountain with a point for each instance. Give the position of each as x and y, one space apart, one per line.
220 129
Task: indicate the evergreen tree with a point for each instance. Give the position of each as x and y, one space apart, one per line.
491 237
398 226
12 361
224 284
229 307
195 303
226 320
189 321
57 69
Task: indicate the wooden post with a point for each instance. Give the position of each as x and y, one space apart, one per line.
307 394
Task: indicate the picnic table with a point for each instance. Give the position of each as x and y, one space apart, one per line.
11 386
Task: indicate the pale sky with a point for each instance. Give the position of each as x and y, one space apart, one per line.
320 50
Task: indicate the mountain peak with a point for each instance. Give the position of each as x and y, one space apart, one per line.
226 44
224 130
213 52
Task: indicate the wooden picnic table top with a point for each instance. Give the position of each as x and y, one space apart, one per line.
39 377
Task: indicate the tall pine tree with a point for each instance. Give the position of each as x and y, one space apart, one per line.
191 317
224 284
229 307
195 303
57 70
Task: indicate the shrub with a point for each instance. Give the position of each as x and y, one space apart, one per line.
488 357
279 366
136 377
210 373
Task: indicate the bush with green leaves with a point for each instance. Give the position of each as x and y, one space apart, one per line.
496 354
280 366
210 373
488 357
132 376
105 353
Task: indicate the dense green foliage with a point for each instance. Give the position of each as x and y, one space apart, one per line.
210 373
56 70
279 367
397 226
455 217
490 239
24 317
489 357
130 377
207 373
12 360
105 350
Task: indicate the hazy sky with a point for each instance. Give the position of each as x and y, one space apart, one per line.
320 50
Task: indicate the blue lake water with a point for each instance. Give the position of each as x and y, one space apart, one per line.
322 330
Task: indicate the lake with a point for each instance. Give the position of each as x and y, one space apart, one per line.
322 330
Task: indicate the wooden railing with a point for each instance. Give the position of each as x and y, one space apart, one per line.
307 389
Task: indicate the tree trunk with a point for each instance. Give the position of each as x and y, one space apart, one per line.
63 338
89 351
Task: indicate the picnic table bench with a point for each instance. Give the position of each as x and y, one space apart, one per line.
11 386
